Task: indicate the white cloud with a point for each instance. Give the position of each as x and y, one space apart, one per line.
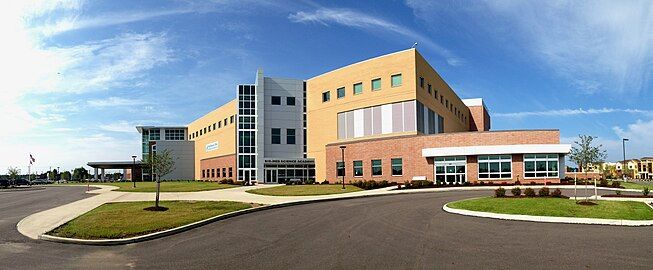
355 19
120 126
569 112
115 102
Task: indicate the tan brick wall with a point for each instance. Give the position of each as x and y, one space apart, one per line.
227 161
480 119
409 148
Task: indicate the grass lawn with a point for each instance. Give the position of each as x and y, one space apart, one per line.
637 185
304 190
169 186
557 207
126 219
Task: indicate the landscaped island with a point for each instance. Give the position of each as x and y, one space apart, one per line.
166 186
557 207
304 190
128 219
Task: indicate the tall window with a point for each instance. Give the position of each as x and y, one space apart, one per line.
429 88
341 92
450 170
377 168
358 168
421 82
541 166
231 172
290 101
340 168
231 121
224 172
376 84
213 173
358 88
290 136
326 96
276 100
395 80
495 167
155 134
397 167
276 136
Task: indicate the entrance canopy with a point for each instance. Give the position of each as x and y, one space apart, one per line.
117 165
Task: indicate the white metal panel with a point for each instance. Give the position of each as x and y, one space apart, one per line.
496 150
359 128
386 119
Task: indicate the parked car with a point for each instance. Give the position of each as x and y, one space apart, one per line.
4 183
21 182
41 182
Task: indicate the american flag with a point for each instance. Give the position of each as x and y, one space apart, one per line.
31 159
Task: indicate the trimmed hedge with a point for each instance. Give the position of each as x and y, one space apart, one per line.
371 184
529 192
516 192
500 192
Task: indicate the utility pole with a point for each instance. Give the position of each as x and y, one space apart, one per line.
623 166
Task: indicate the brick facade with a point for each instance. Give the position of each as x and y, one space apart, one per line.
409 148
480 119
219 164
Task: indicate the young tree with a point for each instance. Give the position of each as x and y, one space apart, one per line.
80 174
584 153
161 164
13 173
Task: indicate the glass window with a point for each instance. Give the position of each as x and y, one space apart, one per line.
341 92
541 166
358 168
358 88
231 121
231 172
340 168
290 101
174 134
326 96
397 166
452 170
429 88
376 84
395 80
276 136
290 136
495 167
276 100
155 134
377 168
421 82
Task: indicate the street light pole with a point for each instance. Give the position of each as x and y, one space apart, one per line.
623 166
342 150
133 170
58 174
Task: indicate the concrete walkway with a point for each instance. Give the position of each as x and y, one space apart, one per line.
39 223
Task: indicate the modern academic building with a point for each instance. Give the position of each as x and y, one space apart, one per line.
392 116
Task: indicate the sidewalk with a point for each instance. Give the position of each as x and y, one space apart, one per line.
39 223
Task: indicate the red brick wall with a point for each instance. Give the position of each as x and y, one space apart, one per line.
480 119
409 148
228 161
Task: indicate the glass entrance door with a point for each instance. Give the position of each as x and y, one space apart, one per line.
271 176
450 170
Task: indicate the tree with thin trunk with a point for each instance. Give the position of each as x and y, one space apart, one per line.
161 164
584 153
13 173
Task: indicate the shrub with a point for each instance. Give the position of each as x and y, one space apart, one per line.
556 193
310 181
544 192
618 192
371 184
516 192
646 191
325 182
529 192
603 182
500 192
226 181
616 184
421 184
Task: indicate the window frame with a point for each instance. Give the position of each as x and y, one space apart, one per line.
354 88
401 80
392 165
273 135
344 92
378 166
326 96
372 84
358 167
537 158
294 101
294 136
492 159
340 165
272 98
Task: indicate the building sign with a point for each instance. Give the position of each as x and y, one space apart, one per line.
211 146
289 161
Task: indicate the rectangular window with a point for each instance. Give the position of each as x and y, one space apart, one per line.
155 134
203 174
541 166
376 84
326 96
358 168
290 136
213 173
341 92
340 168
395 80
290 101
451 170
174 134
276 136
495 167
377 168
429 88
231 120
276 100
397 166
421 82
358 88
231 172
224 172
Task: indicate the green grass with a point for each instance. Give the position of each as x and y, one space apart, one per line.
558 207
127 219
304 190
168 186
636 185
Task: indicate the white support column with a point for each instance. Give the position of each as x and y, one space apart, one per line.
124 174
95 174
102 172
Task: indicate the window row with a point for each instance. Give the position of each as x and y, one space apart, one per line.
218 173
376 167
212 127
177 134
443 101
276 100
291 136
357 88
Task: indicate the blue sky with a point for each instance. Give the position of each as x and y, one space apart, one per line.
79 75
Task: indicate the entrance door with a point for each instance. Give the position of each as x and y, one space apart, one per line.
271 176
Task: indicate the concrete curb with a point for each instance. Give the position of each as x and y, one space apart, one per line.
135 239
548 219
22 189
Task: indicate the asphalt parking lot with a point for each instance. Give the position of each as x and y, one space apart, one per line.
390 232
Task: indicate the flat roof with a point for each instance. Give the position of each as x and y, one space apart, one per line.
114 164
140 128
